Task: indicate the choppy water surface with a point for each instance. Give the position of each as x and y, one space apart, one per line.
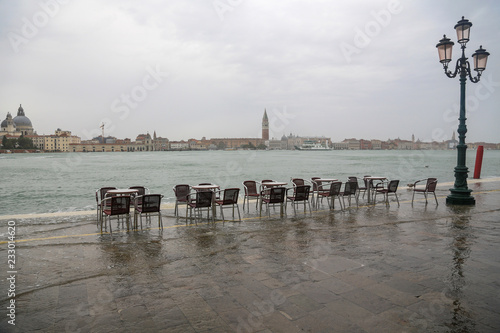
42 183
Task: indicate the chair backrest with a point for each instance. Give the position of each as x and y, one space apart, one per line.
120 205
298 181
431 184
393 186
366 180
353 179
151 203
204 199
277 195
301 192
230 196
354 186
315 185
103 191
181 192
350 188
141 189
335 188
266 180
250 187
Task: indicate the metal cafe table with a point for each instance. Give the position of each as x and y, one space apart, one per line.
208 187
123 191
319 182
369 184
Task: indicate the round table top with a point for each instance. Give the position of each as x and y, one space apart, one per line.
376 178
325 180
123 191
205 187
274 183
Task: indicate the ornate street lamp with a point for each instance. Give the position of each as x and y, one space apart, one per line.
460 194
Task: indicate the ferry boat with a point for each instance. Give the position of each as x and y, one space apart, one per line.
313 145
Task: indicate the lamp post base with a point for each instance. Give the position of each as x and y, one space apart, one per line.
460 197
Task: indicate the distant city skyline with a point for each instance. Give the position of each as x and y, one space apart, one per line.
364 69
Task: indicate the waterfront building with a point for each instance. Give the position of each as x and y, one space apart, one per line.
59 141
376 144
179 145
159 143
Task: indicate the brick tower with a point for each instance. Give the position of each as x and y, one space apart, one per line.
265 126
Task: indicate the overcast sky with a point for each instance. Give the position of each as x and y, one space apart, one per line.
187 69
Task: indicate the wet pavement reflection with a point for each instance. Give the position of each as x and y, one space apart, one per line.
377 268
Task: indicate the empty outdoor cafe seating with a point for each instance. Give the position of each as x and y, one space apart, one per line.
430 187
271 197
198 201
115 206
147 204
251 191
297 194
391 188
350 191
362 188
181 192
330 194
141 190
229 198
100 194
298 181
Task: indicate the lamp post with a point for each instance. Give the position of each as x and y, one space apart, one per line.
460 193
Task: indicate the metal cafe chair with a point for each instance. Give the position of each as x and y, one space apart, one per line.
229 198
201 200
118 206
350 190
300 194
391 188
148 204
181 192
333 191
430 187
100 194
273 196
250 187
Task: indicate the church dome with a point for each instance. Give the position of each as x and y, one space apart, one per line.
21 119
5 122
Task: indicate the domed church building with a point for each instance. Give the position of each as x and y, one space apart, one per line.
17 126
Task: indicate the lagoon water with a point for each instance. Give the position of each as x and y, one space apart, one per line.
66 182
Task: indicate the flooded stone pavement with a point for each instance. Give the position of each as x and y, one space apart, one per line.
376 268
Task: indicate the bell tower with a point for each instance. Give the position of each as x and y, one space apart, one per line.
265 126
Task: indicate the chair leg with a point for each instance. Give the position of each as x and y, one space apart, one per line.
435 198
222 213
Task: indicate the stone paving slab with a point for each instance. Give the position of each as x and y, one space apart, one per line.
376 268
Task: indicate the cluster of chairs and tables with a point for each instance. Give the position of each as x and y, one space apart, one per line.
268 192
114 202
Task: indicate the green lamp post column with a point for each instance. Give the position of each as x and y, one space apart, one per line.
460 194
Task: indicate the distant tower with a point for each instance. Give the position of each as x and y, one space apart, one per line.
453 136
265 126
